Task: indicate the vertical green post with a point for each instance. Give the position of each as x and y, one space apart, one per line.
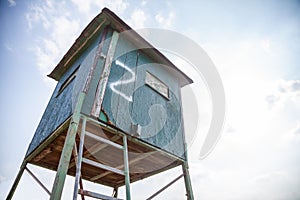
187 181
67 151
17 180
126 168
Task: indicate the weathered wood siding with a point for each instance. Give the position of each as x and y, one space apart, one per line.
91 93
129 101
61 106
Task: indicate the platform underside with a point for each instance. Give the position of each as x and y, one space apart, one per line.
144 160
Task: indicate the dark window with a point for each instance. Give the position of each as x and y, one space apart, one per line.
67 82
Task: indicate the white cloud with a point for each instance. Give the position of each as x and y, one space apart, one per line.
85 6
165 22
286 91
296 131
292 137
277 184
2 179
144 2
58 30
137 19
12 3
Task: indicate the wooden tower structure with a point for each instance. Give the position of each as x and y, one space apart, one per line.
115 116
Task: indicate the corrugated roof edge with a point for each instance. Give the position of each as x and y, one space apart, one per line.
101 20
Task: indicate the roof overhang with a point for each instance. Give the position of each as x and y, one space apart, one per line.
107 17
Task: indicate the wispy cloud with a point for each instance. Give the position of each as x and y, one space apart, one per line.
57 32
86 6
2 179
9 47
165 21
58 29
137 19
285 91
12 3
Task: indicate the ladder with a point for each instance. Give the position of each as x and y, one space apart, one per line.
79 159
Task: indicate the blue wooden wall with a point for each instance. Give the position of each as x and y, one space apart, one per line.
61 106
128 101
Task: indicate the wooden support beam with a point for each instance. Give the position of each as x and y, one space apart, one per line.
17 180
141 157
100 139
104 76
102 166
187 181
67 151
43 154
94 149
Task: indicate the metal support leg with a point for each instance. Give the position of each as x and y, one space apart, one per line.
187 181
17 180
66 152
79 159
126 168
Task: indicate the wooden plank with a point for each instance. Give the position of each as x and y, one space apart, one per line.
94 149
44 153
141 157
125 93
104 77
96 195
99 165
96 58
143 176
100 139
93 85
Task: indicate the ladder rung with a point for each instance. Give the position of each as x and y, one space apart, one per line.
99 165
96 195
96 137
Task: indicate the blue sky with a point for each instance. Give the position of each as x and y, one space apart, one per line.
254 45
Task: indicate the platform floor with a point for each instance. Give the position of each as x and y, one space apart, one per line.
144 160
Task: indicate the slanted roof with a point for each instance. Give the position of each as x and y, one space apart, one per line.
107 17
